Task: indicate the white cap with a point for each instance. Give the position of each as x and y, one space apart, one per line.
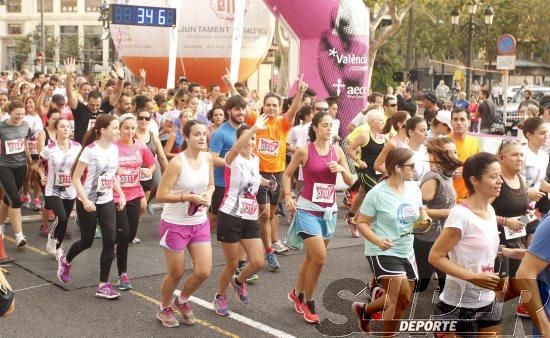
444 116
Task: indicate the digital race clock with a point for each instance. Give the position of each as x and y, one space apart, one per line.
142 15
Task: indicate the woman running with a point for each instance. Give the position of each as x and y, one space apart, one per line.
316 209
176 140
439 196
238 217
466 250
99 159
186 188
417 132
14 159
398 122
59 193
385 220
35 123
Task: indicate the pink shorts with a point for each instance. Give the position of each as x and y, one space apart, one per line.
176 237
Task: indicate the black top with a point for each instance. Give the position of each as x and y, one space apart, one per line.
369 153
82 116
406 105
486 111
429 116
511 203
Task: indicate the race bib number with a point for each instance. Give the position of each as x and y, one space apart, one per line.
511 234
143 177
268 147
63 180
105 183
15 146
248 208
33 147
323 193
91 123
129 178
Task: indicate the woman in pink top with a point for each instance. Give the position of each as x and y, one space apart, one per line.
316 208
134 160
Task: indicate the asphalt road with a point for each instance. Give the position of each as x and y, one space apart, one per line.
44 309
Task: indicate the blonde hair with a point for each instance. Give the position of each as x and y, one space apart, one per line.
375 114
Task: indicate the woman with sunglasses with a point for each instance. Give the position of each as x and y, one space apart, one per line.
186 189
439 196
134 161
398 122
152 141
95 204
316 209
385 220
176 139
59 191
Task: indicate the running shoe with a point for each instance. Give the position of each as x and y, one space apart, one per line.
310 315
241 292
59 252
272 262
106 291
123 282
362 317
376 293
185 310
26 201
352 226
220 305
521 311
166 317
51 246
36 204
136 240
63 269
21 241
278 247
296 301
51 215
44 230
97 232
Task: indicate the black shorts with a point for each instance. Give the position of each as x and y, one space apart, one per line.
265 195
469 320
388 266
217 198
231 229
147 185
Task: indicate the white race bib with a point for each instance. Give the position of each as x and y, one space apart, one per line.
268 147
91 123
14 146
105 183
143 177
511 234
248 208
323 193
33 147
63 179
129 178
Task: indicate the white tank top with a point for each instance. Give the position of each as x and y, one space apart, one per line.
189 181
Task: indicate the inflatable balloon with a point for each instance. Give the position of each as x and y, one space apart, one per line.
205 29
334 47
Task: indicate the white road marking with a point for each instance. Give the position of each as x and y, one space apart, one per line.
240 318
32 287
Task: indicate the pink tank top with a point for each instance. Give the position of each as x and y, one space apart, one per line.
319 183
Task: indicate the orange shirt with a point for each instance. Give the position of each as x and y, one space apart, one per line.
271 143
464 148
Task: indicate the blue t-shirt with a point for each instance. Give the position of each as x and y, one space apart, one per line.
394 215
462 104
222 140
540 248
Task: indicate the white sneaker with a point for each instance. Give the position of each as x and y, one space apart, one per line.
51 245
59 252
21 241
136 240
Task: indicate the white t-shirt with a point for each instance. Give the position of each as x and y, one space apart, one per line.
421 163
59 169
154 127
359 120
299 137
242 182
101 170
534 167
476 252
35 123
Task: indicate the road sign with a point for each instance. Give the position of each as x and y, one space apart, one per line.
506 62
506 44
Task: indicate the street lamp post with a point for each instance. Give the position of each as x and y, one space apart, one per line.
43 42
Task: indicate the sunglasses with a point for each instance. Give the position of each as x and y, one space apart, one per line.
142 118
507 141
319 109
407 165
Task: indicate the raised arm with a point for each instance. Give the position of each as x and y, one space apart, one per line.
244 139
118 72
142 76
227 80
290 115
70 66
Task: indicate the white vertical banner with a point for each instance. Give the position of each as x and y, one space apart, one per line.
238 26
173 49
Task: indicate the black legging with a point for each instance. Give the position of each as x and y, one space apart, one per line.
62 209
127 221
425 269
11 180
105 214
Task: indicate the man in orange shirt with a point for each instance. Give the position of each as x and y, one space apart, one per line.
271 150
466 146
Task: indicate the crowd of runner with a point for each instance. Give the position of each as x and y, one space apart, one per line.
230 164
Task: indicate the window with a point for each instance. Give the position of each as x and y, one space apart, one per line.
92 5
69 45
14 6
48 28
48 5
93 47
68 5
15 29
